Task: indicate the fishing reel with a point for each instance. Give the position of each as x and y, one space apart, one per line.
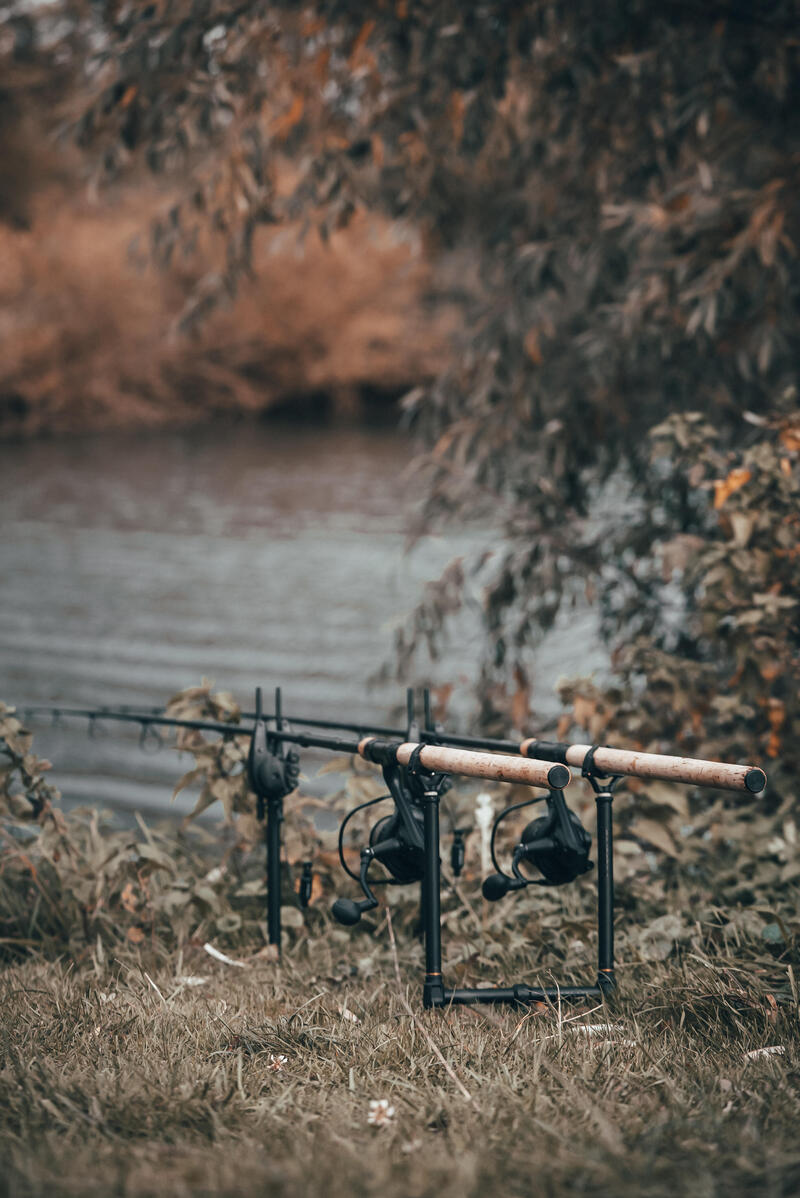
556 844
397 841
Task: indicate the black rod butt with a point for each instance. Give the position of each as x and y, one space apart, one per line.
558 776
755 780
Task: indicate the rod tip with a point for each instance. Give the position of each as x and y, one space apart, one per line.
558 776
755 780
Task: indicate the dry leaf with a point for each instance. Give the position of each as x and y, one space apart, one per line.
724 488
656 834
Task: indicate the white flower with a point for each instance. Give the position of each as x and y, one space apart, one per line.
276 1063
381 1112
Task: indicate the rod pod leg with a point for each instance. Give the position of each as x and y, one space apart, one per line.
274 818
606 979
273 838
433 987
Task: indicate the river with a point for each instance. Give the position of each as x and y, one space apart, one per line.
133 565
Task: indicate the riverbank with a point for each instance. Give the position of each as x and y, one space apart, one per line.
91 336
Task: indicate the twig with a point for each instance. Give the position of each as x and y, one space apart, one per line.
432 1045
393 946
158 992
451 882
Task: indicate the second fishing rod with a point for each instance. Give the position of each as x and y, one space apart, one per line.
606 760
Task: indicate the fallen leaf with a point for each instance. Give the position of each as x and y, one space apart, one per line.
725 487
656 834
128 897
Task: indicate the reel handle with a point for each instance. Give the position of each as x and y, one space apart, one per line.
497 886
349 912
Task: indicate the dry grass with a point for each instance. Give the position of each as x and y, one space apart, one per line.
118 1078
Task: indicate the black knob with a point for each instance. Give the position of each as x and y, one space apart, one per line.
495 887
457 852
306 884
346 911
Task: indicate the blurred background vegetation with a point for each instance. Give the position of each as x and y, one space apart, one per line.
565 235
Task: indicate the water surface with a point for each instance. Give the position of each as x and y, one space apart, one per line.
132 566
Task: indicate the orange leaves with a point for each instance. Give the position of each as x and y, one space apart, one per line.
776 714
589 713
361 41
790 438
283 126
321 64
312 25
532 346
520 700
416 150
441 696
680 203
725 487
455 111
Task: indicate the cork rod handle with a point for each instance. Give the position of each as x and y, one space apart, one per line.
693 771
496 767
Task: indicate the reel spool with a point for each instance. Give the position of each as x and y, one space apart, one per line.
396 840
556 844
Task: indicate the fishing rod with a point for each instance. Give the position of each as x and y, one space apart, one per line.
608 760
417 771
448 759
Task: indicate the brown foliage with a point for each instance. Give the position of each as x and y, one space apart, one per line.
715 671
86 334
